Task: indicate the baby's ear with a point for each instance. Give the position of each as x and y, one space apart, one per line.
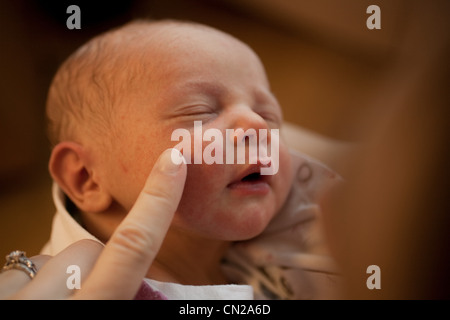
69 166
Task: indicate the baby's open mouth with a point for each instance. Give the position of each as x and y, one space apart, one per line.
251 182
252 177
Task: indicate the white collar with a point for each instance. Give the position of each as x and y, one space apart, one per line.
65 229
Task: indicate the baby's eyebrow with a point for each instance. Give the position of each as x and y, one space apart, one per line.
199 86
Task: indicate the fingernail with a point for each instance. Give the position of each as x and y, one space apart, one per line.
170 161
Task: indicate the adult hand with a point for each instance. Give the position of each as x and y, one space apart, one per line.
116 270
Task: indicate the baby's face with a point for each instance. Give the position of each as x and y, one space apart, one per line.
217 80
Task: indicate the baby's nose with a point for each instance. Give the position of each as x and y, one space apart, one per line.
246 118
244 135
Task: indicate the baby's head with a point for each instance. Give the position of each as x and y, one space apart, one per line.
113 107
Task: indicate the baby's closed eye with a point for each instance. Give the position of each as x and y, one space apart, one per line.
198 110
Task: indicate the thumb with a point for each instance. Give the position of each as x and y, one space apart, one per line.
133 246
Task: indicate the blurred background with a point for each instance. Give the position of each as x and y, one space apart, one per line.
331 74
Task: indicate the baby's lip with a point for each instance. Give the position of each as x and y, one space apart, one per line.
255 170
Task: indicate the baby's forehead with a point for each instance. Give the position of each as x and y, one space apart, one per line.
147 41
161 34
150 49
140 46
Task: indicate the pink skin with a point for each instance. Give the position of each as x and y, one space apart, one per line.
211 77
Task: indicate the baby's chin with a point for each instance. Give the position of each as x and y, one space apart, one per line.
238 224
229 214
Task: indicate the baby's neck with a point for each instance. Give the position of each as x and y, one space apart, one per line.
189 260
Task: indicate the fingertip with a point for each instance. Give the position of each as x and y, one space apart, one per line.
176 156
171 161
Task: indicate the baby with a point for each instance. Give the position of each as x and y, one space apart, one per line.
112 109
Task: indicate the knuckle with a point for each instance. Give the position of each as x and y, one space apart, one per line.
134 239
161 197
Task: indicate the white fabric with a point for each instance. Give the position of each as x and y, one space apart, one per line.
65 230
174 291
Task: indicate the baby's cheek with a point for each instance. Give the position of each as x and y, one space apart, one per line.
202 183
129 174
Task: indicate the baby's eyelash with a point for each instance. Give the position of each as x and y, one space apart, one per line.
196 110
199 112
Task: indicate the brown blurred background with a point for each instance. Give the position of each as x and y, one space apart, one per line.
330 73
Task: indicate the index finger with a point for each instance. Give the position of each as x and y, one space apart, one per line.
133 246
